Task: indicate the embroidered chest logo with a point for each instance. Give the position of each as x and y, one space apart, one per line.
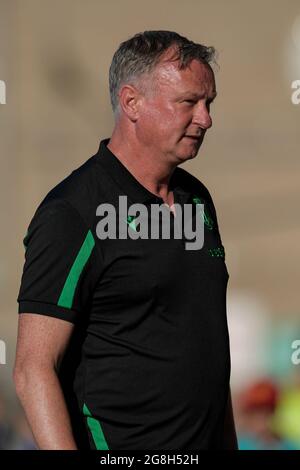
208 221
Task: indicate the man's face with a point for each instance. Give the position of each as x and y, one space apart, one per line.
175 115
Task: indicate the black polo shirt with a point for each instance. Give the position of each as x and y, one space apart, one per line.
150 352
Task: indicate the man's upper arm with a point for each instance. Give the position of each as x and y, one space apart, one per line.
62 265
42 340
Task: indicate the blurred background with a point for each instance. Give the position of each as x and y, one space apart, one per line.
54 61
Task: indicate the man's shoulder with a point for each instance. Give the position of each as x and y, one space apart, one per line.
80 191
77 185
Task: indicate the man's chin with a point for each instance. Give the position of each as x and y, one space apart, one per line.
184 156
189 148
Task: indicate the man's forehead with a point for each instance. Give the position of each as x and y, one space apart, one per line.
195 73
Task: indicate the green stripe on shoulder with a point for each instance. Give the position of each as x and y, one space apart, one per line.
68 291
95 429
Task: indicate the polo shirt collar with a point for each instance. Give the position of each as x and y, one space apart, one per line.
130 185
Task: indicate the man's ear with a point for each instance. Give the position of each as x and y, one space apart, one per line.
129 97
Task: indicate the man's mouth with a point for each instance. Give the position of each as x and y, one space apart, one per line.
193 137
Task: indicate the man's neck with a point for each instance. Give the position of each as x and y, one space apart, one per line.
154 175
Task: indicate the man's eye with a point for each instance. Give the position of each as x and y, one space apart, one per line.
190 101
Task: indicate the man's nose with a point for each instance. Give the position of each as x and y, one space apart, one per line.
201 116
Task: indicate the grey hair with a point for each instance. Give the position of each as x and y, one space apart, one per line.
140 54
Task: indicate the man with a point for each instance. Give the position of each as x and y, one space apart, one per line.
144 319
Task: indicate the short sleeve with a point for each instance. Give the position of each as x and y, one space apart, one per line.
62 265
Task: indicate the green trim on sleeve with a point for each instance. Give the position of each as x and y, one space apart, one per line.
68 291
95 429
